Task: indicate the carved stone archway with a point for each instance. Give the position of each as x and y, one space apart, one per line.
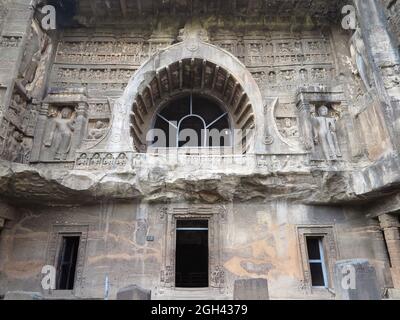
196 76
190 65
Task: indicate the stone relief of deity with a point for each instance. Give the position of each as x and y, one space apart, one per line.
59 133
324 134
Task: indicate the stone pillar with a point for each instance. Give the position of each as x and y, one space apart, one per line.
305 123
356 280
39 132
80 127
391 228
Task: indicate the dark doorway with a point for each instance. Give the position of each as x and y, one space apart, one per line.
192 254
67 263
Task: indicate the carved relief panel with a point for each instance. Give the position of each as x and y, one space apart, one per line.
60 130
17 128
324 123
99 121
102 63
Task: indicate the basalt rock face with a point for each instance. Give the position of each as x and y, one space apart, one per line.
392 9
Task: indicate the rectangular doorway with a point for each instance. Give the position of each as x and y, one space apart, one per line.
67 262
192 256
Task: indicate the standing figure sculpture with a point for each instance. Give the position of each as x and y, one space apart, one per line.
59 134
324 132
360 58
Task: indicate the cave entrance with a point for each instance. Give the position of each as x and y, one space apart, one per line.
192 254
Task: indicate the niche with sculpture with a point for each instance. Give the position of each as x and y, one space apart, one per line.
325 133
323 123
59 132
99 120
17 128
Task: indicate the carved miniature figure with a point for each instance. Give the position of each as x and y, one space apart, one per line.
108 161
324 131
289 129
96 160
121 160
82 160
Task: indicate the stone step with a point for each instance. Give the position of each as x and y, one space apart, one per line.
190 294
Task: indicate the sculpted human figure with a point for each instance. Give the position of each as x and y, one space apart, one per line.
108 161
121 160
96 160
82 161
324 131
359 57
289 129
59 134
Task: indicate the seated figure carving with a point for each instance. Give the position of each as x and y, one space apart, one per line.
98 131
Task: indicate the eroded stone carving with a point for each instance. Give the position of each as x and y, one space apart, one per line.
360 58
36 57
193 31
99 130
218 277
13 146
288 127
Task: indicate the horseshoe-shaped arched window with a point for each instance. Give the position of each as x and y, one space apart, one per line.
192 121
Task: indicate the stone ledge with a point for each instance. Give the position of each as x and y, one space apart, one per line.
156 181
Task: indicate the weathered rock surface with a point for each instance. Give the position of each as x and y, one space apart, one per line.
162 183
